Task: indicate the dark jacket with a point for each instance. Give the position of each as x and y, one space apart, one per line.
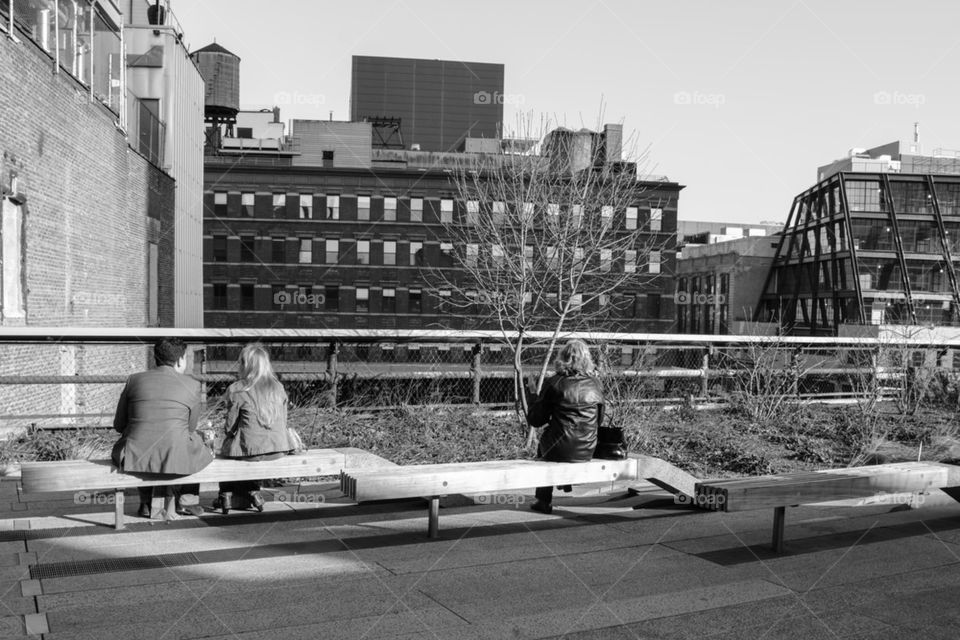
157 418
572 408
247 433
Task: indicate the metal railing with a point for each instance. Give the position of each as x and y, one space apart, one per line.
73 377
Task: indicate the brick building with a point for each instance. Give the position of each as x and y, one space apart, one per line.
88 221
349 242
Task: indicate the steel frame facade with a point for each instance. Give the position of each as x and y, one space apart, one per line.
867 248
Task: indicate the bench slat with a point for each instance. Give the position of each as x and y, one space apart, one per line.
418 481
93 475
772 492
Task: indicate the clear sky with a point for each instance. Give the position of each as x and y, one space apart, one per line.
740 100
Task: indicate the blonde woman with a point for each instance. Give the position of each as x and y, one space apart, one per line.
570 406
256 426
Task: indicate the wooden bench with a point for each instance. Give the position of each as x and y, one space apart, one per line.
102 475
780 491
431 481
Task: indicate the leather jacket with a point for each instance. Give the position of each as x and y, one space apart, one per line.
572 408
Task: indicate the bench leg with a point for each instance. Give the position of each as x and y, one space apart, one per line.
118 509
779 515
433 518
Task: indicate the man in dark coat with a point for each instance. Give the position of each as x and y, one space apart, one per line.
157 418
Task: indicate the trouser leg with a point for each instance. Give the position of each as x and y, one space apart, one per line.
146 495
544 494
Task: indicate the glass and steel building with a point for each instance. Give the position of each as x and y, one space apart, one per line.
875 241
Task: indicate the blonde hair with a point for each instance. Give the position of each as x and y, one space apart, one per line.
573 358
257 376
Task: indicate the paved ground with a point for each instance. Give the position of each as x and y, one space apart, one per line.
314 566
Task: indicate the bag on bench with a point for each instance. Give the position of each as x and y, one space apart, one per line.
610 444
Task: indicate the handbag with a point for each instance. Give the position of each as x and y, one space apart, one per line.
610 444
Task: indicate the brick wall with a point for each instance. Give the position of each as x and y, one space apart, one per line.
92 206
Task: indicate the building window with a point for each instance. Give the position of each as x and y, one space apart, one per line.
220 204
306 206
473 252
333 251
654 262
656 219
390 209
499 212
246 296
553 210
363 207
606 215
331 297
415 301
389 252
446 254
219 248
389 302
416 209
219 295
528 256
631 218
333 207
446 211
576 302
279 249
630 261
306 251
279 205
246 248
497 255
444 300
473 212
416 254
246 204
606 257
363 300
865 195
363 252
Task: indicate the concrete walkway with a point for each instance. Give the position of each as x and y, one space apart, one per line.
315 566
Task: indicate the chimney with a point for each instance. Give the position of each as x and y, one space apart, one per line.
276 114
612 143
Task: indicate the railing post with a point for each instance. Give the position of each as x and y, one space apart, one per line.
795 373
705 372
332 372
476 371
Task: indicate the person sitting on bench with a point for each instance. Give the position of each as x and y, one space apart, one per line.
570 404
256 425
157 419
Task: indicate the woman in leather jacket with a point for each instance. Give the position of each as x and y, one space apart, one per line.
570 404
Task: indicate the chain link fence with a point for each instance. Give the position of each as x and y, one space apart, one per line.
77 384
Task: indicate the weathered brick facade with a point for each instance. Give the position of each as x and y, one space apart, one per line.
90 206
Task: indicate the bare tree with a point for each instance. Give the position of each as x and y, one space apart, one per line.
553 240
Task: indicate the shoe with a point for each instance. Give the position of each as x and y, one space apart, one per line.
223 502
566 488
190 510
144 511
256 501
542 507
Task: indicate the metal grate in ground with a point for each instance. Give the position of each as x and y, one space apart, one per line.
110 565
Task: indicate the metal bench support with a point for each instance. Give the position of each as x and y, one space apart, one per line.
118 522
433 524
779 515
